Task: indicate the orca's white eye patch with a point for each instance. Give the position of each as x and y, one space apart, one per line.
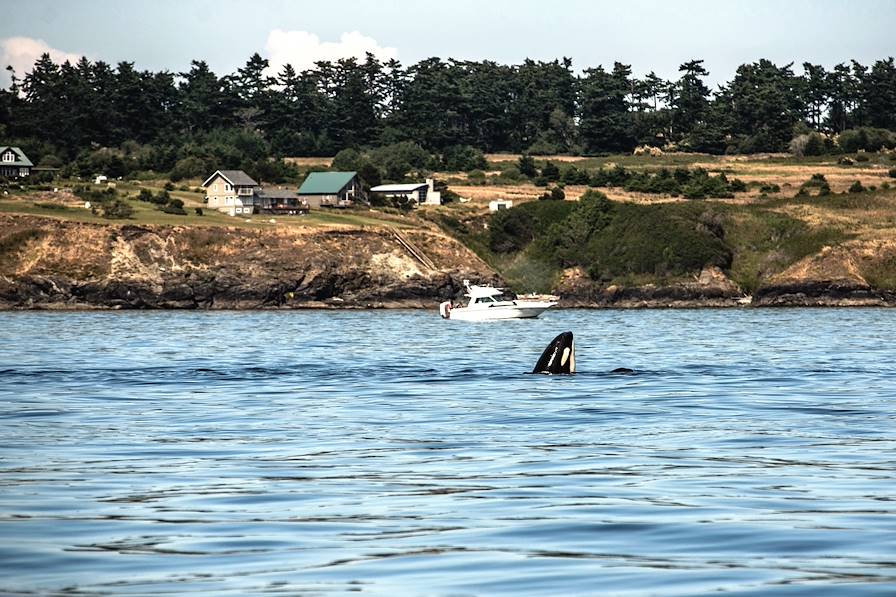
565 357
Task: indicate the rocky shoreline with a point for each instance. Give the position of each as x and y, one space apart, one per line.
225 293
48 264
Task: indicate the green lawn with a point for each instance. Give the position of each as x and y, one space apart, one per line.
145 213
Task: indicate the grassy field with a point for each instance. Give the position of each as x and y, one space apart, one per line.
66 206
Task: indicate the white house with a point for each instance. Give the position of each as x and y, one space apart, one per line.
231 191
418 192
500 204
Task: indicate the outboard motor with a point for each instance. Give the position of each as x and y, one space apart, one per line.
445 309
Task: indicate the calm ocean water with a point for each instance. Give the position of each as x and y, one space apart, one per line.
754 452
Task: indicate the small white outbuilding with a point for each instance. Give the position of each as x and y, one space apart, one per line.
500 204
418 192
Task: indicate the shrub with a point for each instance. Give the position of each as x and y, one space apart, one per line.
862 157
554 194
198 211
511 174
463 158
846 161
348 160
866 138
117 209
618 239
526 166
769 188
189 167
817 180
856 187
892 172
808 145
551 172
511 230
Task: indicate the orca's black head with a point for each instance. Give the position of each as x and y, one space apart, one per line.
558 357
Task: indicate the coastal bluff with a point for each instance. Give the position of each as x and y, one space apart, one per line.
47 263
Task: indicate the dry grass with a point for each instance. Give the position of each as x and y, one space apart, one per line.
306 161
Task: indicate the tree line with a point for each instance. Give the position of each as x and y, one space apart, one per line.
164 121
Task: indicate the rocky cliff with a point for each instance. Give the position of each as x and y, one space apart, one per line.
56 264
48 263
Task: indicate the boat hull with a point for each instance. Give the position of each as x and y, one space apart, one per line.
518 311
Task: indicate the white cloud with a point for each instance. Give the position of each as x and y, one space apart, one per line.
22 52
302 49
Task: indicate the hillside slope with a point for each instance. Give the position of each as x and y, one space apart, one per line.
50 263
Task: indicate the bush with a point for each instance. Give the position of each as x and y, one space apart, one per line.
769 188
846 161
809 144
398 160
117 209
573 175
463 158
892 172
526 166
817 180
189 167
867 139
555 194
618 239
348 160
511 174
862 157
856 187
550 172
199 211
511 230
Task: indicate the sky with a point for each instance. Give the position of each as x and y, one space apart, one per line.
656 35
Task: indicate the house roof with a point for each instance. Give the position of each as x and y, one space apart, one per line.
399 188
237 178
278 194
326 183
21 158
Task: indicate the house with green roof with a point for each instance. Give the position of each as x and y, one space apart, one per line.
332 189
14 163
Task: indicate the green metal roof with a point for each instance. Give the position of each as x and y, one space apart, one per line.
21 158
325 183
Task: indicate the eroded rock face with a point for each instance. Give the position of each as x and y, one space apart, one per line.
47 263
711 288
836 276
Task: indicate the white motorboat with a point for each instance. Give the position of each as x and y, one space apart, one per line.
488 302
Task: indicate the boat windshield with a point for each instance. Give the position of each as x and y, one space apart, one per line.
491 299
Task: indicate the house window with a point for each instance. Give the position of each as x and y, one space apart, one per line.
9 157
23 171
227 187
229 200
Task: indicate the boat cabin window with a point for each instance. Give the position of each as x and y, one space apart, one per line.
485 299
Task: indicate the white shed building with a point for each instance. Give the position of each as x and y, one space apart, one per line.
418 192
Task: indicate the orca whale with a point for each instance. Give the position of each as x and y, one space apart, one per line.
560 358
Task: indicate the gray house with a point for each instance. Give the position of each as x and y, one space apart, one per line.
332 189
14 163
